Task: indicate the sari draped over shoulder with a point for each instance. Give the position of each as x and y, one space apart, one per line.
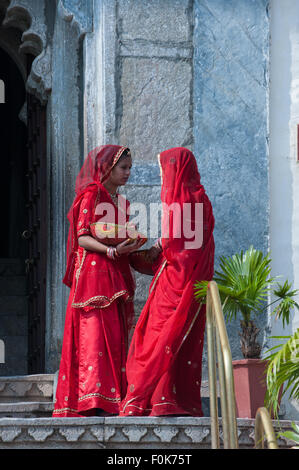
100 307
165 355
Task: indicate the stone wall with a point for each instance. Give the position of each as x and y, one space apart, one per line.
231 59
155 75
193 74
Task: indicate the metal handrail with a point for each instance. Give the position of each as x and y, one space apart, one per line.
263 425
216 330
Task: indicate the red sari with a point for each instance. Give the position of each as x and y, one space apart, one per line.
100 307
164 360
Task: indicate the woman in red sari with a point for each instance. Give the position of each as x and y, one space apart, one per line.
164 360
92 377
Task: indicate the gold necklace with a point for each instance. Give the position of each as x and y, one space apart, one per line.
114 197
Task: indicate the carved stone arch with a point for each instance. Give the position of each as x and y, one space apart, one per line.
78 13
28 16
10 43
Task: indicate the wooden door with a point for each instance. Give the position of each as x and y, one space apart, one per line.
36 233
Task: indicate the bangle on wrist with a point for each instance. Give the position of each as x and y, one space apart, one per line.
110 252
158 244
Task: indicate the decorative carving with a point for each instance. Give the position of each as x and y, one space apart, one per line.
3 386
97 432
71 433
166 433
197 434
20 388
39 388
109 431
40 434
10 433
45 388
78 13
46 433
29 17
134 433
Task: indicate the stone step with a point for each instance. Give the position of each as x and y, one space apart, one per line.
26 409
27 388
18 394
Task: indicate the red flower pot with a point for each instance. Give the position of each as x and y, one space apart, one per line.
250 386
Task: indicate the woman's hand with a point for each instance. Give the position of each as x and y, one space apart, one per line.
153 253
127 246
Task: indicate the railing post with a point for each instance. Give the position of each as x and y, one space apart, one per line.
212 375
226 380
263 423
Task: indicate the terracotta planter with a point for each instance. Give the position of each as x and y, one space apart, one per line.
250 386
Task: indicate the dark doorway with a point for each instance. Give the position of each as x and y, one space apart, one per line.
13 161
23 234
36 233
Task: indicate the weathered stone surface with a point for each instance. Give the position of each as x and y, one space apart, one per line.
26 409
120 433
230 118
231 58
166 21
155 108
23 388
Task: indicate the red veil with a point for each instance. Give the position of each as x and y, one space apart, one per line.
100 309
164 361
94 172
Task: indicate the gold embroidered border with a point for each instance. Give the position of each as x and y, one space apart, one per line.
98 297
115 160
184 338
108 300
85 397
190 328
61 410
83 230
158 275
148 409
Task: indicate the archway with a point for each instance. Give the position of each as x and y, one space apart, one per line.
23 237
13 161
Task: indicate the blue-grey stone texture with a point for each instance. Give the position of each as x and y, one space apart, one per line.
231 58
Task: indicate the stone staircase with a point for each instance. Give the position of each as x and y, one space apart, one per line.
13 316
26 404
28 396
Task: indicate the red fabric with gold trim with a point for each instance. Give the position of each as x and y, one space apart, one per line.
95 170
98 279
164 361
100 309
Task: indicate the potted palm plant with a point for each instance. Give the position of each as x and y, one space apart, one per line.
245 283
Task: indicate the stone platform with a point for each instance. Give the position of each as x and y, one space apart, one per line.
119 433
26 404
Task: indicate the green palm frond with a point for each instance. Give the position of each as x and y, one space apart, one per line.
287 303
283 370
292 435
243 282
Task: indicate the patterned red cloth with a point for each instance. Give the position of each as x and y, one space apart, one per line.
99 312
164 361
